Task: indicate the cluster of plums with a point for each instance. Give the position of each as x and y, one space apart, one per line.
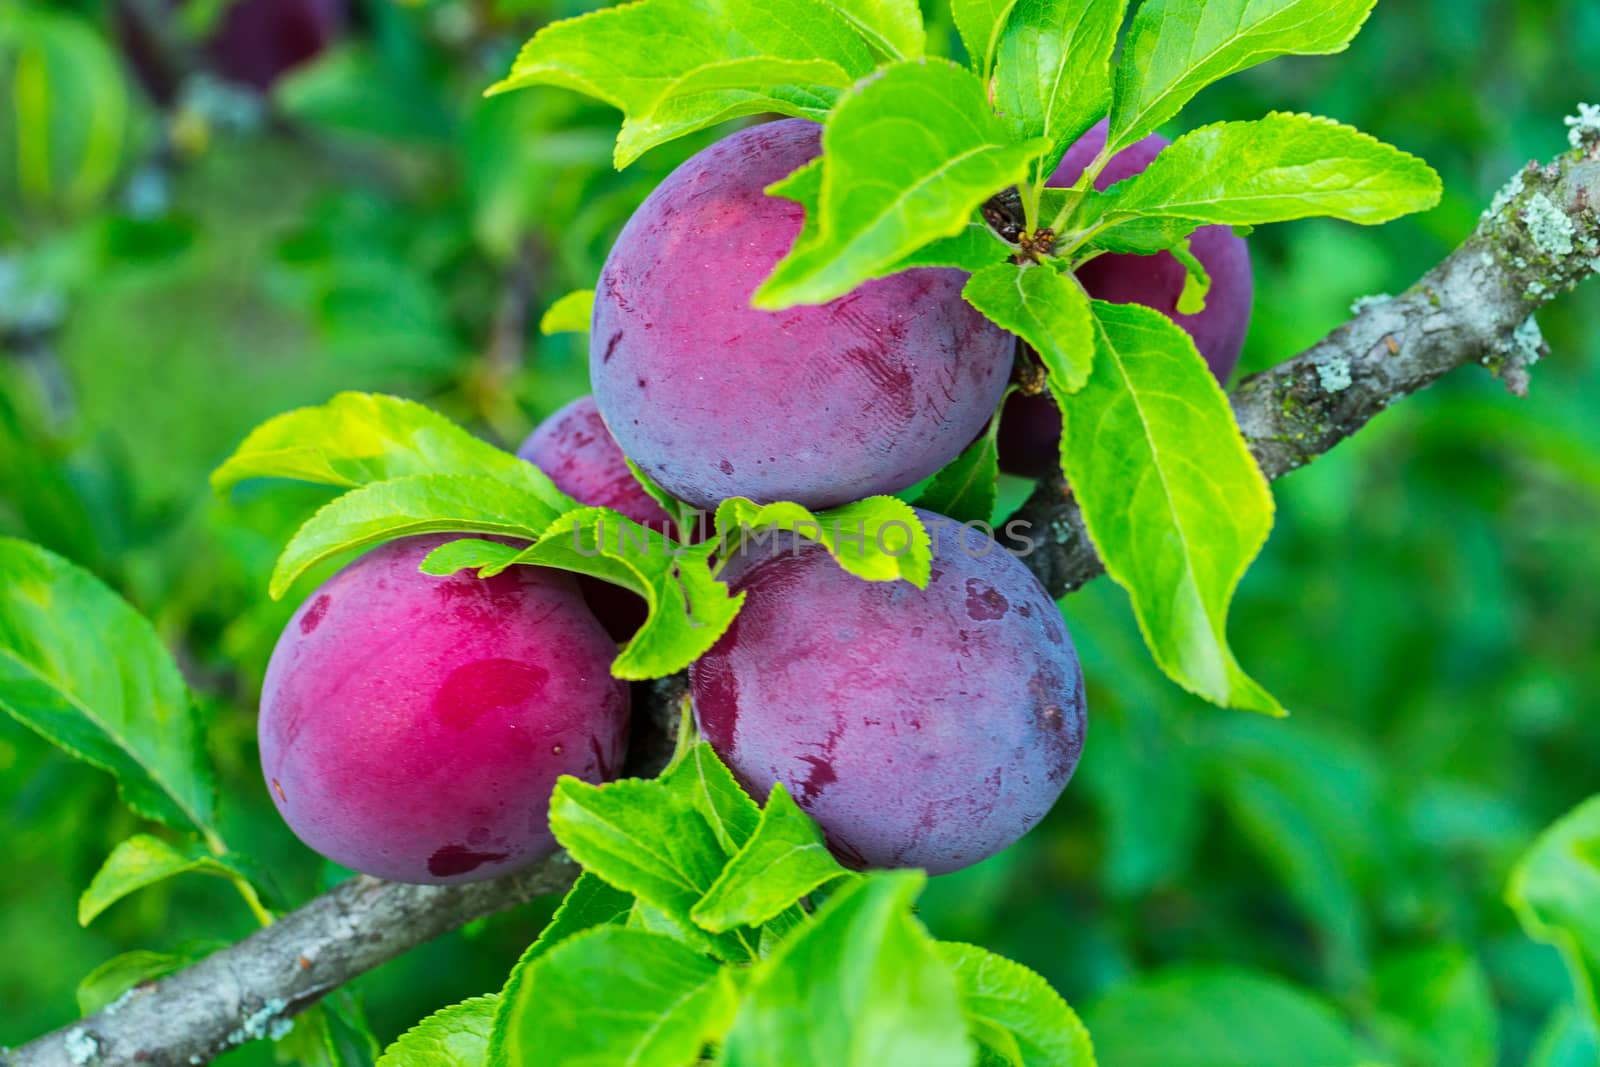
413 727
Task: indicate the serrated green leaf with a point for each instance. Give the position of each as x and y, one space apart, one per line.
402 507
968 486
676 66
861 986
1053 71
1555 891
570 314
688 608
716 795
782 862
359 438
892 27
879 538
1171 497
979 22
1206 1017
1175 48
1005 997
669 503
648 840
85 671
1275 169
908 156
142 861
588 904
1048 310
470 554
615 996
457 1036
109 981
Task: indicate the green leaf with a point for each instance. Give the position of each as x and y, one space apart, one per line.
1275 169
618 996
1196 280
689 609
979 22
646 839
1435 1006
1175 48
860 987
712 791
676 66
570 314
1171 497
1048 310
968 486
1555 891
470 554
908 156
1053 71
588 904
359 438
1206 1018
142 861
402 507
1003 997
85 671
784 861
333 1033
1569 1038
879 538
109 981
457 1036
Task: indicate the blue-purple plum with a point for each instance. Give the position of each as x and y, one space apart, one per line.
413 727
822 405
919 727
1031 425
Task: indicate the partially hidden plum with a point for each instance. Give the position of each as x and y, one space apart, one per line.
1031 425
413 727
579 454
821 405
927 728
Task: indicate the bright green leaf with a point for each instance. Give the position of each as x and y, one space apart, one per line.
142 861
716 795
1276 169
861 986
966 489
1555 891
570 314
84 670
358 438
1196 280
470 554
999 995
783 861
1171 497
1212 1018
676 66
1048 310
689 609
1175 48
457 1036
908 156
615 996
403 507
646 839
1053 71
980 22
879 538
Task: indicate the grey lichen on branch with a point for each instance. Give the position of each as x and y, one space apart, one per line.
1540 238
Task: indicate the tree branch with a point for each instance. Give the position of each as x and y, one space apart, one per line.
1539 239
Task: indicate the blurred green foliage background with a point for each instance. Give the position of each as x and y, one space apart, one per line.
1429 603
